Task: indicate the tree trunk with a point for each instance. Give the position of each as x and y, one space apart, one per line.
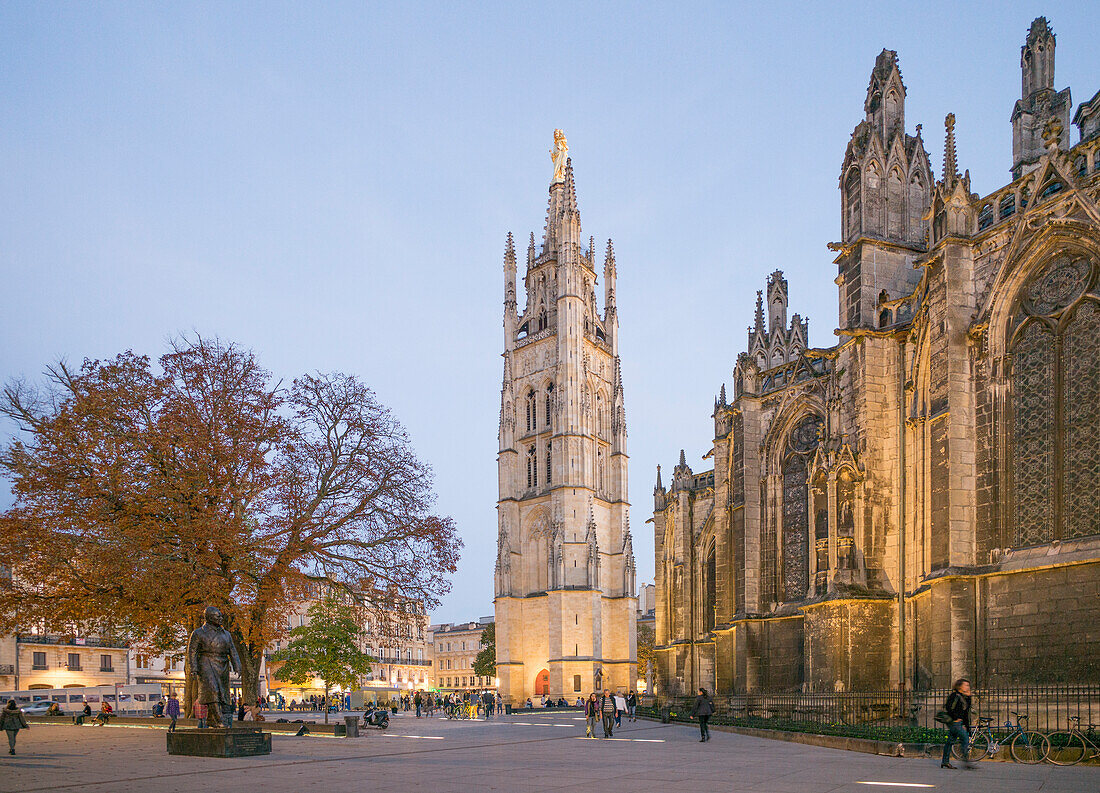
190 690
326 703
250 666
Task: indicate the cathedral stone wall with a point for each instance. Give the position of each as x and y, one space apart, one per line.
921 500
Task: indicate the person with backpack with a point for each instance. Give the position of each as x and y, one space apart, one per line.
703 710
12 721
957 708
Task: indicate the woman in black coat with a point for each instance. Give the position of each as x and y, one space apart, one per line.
703 710
12 721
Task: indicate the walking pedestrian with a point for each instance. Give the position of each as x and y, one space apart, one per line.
620 709
703 710
418 701
632 706
12 721
500 704
487 701
173 711
958 729
591 715
607 710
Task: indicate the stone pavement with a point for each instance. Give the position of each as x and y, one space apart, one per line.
528 752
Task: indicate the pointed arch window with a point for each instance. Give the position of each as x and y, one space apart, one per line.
549 463
549 402
532 468
1055 405
985 217
794 547
1008 206
531 411
710 591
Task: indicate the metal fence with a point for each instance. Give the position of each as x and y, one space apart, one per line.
1048 708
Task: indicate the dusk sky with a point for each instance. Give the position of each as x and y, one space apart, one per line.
331 184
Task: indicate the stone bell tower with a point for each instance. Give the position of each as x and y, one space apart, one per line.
564 589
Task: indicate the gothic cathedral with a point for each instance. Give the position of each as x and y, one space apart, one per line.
921 500
564 600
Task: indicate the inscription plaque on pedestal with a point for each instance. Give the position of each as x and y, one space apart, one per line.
220 742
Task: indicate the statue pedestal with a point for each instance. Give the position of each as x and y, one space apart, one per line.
220 742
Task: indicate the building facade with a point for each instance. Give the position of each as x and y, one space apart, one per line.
40 661
394 633
564 589
456 648
920 501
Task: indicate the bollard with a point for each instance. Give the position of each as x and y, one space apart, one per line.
351 729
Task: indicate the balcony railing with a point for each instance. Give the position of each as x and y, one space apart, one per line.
402 661
117 644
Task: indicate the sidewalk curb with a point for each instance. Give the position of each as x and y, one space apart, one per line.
865 745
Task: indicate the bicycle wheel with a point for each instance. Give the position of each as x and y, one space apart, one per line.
979 747
1066 748
1029 747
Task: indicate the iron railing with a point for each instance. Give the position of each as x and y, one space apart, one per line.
1048 708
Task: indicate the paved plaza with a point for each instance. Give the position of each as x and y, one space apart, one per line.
519 753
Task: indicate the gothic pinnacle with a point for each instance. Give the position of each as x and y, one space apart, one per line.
659 485
950 165
683 459
759 310
570 190
722 395
510 253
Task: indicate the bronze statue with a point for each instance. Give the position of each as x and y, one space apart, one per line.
211 654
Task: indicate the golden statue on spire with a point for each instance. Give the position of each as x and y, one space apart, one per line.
558 155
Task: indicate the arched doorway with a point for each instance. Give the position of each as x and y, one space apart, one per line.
542 683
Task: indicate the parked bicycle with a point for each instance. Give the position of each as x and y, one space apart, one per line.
1069 747
1025 746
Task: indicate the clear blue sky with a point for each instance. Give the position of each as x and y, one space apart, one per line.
331 184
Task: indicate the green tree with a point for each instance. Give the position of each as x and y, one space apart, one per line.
327 648
486 662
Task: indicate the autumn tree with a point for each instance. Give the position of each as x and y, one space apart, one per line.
141 496
485 664
647 658
325 648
